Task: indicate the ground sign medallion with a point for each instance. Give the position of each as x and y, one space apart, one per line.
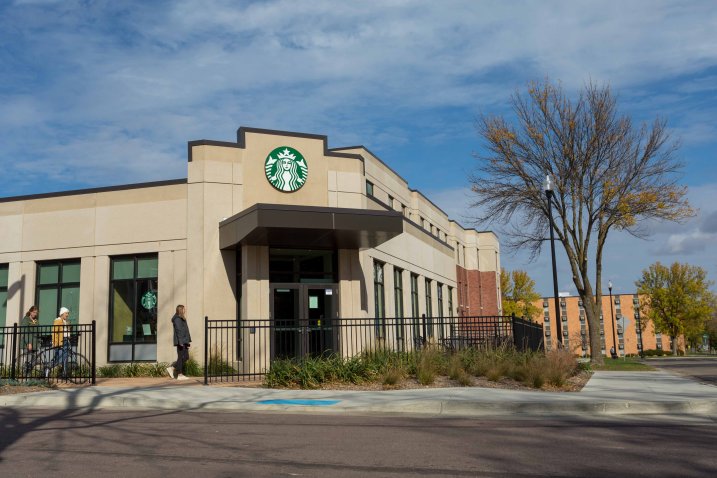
286 169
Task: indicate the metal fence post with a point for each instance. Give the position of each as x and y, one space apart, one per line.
94 352
425 330
14 351
206 350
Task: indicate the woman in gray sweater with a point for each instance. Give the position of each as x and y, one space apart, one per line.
182 340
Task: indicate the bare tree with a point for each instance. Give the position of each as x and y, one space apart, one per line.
607 175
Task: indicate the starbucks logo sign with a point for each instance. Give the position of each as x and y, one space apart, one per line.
149 300
286 169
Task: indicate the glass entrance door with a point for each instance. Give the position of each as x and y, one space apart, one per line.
303 318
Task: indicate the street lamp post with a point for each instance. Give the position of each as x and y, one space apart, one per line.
548 187
612 317
639 333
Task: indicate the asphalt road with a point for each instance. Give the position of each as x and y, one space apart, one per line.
187 444
704 369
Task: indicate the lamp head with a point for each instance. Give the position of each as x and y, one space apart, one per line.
609 285
548 183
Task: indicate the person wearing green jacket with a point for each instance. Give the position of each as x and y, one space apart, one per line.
29 336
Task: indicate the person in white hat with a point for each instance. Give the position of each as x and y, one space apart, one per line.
61 339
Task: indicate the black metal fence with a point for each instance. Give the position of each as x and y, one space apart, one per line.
30 353
244 350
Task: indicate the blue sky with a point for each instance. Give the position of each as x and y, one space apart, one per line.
98 93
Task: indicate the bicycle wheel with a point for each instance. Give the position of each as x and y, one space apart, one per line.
78 368
31 365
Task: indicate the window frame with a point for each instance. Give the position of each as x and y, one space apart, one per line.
59 285
137 301
379 298
429 306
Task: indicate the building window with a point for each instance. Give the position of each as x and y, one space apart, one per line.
450 301
133 308
429 308
390 201
398 301
415 313
369 188
3 296
398 291
379 299
439 298
58 285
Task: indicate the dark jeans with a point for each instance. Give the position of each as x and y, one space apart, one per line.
182 356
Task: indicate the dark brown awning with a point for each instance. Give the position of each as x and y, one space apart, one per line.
283 225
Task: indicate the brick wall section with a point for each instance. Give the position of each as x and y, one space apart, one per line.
478 292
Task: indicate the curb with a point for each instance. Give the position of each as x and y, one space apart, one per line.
454 408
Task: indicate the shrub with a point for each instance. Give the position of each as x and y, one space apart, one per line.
192 368
560 365
428 364
494 374
393 376
219 366
110 371
455 367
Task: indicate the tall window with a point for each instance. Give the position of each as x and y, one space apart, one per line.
439 296
379 298
58 285
398 291
398 301
133 302
429 308
414 305
3 295
369 188
450 301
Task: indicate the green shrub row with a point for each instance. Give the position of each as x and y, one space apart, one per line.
217 366
534 369
656 353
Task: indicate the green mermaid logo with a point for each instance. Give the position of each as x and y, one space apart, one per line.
286 169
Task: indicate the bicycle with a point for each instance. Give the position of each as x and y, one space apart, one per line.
41 363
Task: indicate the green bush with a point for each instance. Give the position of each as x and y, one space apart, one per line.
387 367
110 371
429 364
656 353
219 366
560 365
393 376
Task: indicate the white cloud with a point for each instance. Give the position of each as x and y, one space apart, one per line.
86 84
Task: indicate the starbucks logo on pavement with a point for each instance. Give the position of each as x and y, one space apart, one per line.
286 169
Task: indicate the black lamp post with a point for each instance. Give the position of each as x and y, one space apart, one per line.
612 317
548 187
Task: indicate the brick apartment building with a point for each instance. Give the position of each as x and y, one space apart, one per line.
618 326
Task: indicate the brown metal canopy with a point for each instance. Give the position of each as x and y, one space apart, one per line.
282 225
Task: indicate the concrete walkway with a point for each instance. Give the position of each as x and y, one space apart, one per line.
607 393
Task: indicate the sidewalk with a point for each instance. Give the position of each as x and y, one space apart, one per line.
607 393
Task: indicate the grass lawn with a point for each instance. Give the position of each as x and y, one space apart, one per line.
626 364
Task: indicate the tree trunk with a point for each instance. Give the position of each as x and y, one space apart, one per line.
592 313
674 345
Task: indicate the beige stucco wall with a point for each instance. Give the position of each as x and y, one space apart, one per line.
180 222
93 227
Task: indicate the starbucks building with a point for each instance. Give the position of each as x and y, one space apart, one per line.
274 223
